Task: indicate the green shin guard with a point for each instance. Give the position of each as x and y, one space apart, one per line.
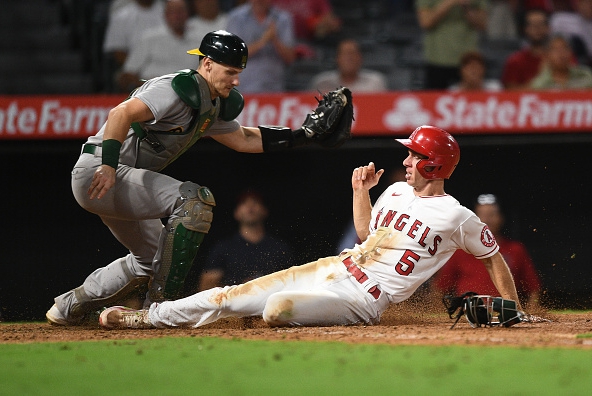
180 242
185 246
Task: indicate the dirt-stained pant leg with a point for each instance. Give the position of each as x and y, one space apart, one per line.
132 210
324 283
341 303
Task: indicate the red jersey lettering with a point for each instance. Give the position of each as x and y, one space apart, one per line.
434 248
401 223
414 227
388 218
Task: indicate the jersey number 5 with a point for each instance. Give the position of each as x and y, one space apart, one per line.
407 263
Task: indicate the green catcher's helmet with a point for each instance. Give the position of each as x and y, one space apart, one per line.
486 311
482 310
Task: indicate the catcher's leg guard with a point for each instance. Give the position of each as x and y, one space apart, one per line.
180 240
131 294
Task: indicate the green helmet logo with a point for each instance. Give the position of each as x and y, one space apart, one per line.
223 47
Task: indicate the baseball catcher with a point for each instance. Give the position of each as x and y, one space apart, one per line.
118 175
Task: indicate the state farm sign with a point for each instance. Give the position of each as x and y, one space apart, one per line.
391 113
64 117
478 113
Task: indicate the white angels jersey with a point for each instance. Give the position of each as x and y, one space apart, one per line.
412 237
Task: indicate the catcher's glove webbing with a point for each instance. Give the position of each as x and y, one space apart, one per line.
328 125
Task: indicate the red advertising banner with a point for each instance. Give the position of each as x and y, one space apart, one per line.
384 114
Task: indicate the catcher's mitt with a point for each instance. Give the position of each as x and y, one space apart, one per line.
330 123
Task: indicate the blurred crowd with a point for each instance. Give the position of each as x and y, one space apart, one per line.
457 45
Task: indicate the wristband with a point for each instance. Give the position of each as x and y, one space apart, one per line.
276 138
111 149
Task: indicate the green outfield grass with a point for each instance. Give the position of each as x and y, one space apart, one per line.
213 366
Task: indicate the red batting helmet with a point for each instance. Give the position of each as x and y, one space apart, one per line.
438 146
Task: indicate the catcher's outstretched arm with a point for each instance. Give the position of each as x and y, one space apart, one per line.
244 140
328 125
276 138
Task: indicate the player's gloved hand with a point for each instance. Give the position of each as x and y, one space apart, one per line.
328 125
102 181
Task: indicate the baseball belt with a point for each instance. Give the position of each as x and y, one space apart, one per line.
360 276
91 149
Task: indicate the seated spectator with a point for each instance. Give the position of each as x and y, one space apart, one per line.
126 26
269 34
547 6
161 50
349 72
472 75
208 17
462 273
559 70
576 27
313 19
251 252
521 66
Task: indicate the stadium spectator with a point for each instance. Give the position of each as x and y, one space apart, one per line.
462 273
227 265
502 20
450 28
269 34
472 75
313 19
547 6
521 66
559 71
126 26
161 50
349 72
576 26
207 17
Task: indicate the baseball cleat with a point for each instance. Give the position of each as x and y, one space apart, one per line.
55 317
119 317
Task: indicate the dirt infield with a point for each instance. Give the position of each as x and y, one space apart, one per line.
400 325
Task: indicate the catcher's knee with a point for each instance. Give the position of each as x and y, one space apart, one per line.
279 310
195 209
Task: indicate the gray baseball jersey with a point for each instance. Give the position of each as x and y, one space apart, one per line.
141 197
175 126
